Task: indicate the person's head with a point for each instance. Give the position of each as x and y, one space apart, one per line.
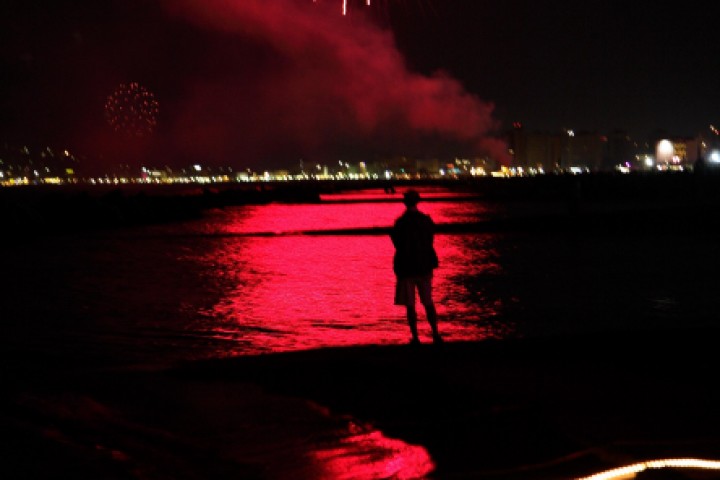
411 198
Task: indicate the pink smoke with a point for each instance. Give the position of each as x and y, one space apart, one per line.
323 79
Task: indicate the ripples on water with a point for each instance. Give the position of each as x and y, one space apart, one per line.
268 278
290 287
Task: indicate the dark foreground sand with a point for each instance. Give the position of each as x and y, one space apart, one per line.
527 409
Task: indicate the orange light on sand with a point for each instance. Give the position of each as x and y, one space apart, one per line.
630 471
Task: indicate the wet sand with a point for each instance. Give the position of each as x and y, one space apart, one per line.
555 408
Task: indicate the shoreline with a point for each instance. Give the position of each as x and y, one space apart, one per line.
546 408
540 408
675 202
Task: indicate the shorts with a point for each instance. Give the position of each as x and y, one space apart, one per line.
405 290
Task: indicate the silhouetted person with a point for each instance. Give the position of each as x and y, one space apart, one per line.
414 261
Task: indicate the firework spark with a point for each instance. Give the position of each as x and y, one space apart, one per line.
132 109
345 5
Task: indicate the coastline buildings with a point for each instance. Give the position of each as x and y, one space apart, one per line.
578 151
530 153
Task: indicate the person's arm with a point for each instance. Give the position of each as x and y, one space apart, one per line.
394 235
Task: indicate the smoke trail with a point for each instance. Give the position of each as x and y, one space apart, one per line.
319 82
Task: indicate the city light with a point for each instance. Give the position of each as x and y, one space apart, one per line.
571 152
714 156
664 151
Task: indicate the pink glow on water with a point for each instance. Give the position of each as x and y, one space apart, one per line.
346 211
291 292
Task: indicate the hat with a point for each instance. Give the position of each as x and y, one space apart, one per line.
411 198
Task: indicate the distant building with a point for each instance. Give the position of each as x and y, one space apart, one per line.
620 151
400 165
37 164
677 153
557 151
692 150
540 151
582 150
428 167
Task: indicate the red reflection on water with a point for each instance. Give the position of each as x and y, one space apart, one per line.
370 455
290 292
285 218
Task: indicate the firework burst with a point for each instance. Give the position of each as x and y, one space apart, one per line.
132 109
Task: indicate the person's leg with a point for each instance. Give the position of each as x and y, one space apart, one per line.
425 294
405 295
431 314
412 323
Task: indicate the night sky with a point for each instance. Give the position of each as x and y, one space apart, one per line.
265 83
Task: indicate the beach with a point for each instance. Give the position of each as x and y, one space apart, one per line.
229 346
555 408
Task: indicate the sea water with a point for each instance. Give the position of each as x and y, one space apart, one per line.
259 279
